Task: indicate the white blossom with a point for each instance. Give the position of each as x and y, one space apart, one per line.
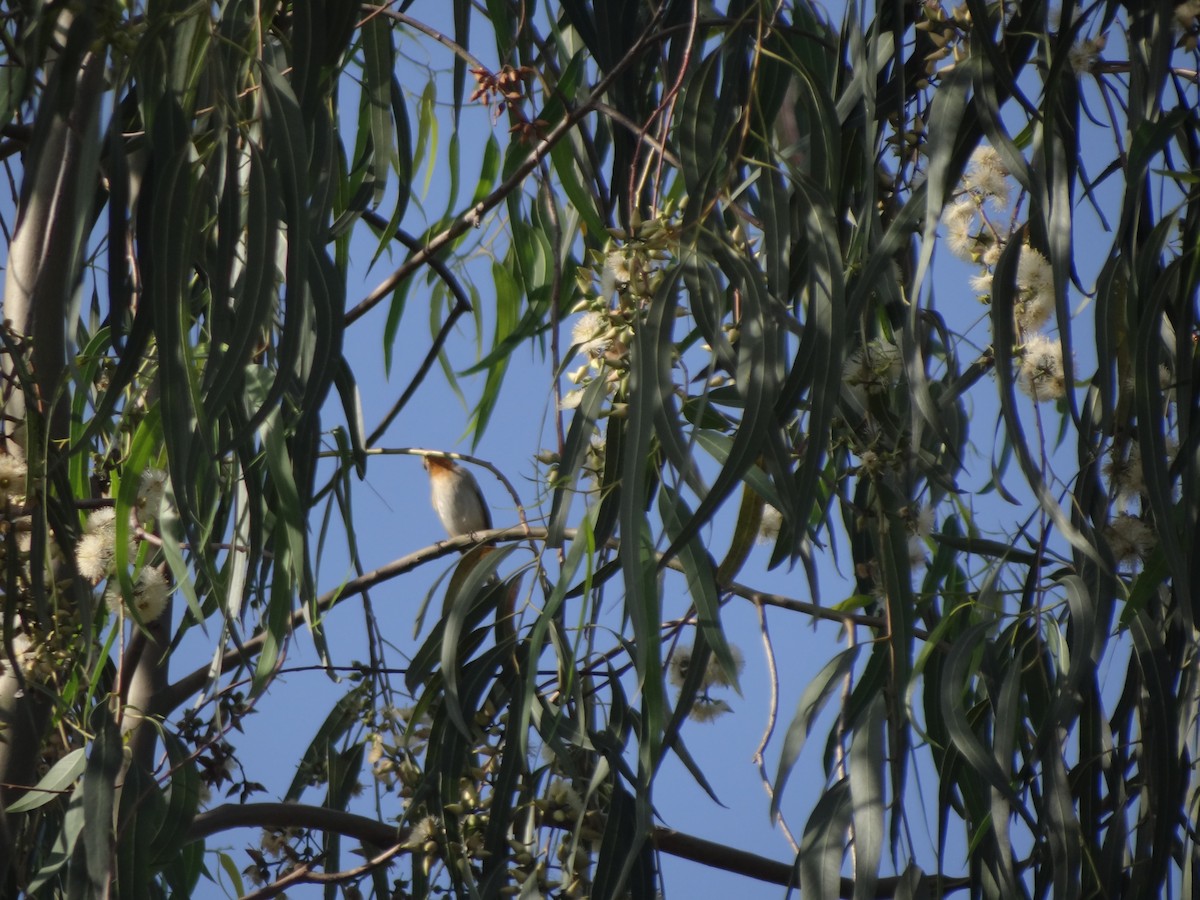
96 554
873 368
714 674
13 472
916 551
150 494
273 841
705 709
717 675
1130 538
959 219
982 283
561 795
150 593
589 333
424 835
987 176
1083 55
1035 289
770 524
1041 374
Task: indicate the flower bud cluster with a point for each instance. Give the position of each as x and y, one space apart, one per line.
973 236
615 288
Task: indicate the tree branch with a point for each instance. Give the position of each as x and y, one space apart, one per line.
378 834
305 875
471 218
179 692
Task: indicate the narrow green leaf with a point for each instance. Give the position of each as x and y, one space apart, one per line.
823 844
699 569
99 797
183 801
867 760
951 694
379 63
64 843
53 784
462 606
745 535
575 449
812 701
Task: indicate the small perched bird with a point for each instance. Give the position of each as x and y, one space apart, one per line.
456 497
460 505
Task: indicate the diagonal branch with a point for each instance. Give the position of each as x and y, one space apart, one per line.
471 218
192 683
379 834
462 305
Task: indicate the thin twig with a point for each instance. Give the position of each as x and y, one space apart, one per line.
417 25
772 717
462 306
190 684
464 457
422 370
303 874
472 217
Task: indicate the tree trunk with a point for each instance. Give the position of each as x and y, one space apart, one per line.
41 278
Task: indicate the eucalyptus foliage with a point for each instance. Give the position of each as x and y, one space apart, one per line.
719 225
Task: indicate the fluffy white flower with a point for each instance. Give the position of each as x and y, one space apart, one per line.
1083 56
717 675
713 673
617 262
1041 375
982 283
588 333
706 709
100 520
562 796
424 835
923 521
768 527
872 369
1130 538
1124 471
273 842
150 593
678 667
150 494
916 551
375 749
571 400
13 472
1035 289
987 176
959 219
94 555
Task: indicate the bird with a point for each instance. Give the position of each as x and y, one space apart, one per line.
456 496
460 505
